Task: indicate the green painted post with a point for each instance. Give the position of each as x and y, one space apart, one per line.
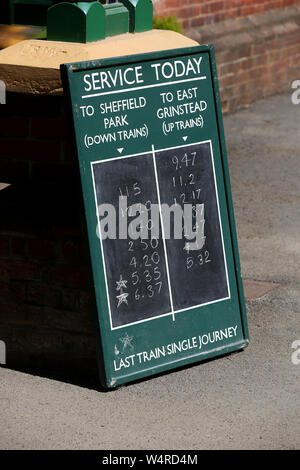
76 22
141 15
117 19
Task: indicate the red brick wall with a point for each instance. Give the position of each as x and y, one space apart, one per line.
256 56
199 12
45 312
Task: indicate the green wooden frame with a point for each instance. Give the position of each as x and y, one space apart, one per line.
234 308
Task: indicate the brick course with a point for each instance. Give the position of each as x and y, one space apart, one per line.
202 12
256 56
44 295
45 313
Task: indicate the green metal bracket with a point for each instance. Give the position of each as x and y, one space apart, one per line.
76 22
141 15
117 19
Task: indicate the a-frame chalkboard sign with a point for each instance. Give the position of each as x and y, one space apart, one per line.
149 141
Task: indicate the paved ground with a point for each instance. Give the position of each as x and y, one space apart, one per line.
243 401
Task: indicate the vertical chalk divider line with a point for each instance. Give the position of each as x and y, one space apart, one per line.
219 214
163 233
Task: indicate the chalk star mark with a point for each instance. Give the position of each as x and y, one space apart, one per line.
122 298
121 284
126 341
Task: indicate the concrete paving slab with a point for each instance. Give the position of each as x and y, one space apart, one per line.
248 400
256 289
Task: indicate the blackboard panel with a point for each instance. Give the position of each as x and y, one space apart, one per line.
137 284
198 276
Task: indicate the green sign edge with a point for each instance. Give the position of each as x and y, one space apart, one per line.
69 68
